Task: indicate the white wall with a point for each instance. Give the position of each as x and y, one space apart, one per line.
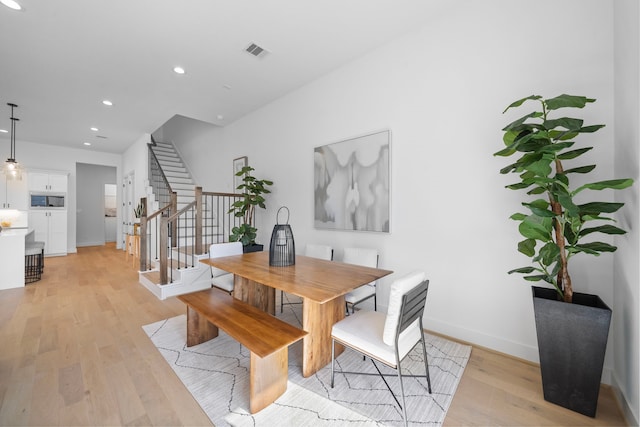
135 159
441 91
49 157
626 302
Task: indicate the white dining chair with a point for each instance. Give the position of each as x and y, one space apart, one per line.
315 251
219 278
388 338
366 258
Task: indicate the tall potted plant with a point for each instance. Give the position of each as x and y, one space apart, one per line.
252 190
572 327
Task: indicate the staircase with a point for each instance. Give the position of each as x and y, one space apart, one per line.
181 222
176 172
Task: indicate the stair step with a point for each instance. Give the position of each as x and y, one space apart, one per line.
176 174
168 169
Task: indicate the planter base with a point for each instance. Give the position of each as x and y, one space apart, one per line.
572 339
252 248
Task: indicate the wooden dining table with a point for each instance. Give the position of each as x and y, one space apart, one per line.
321 284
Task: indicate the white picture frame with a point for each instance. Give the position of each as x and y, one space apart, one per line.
352 188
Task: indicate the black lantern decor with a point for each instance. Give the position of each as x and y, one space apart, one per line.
282 250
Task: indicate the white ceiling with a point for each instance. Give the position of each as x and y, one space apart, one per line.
60 58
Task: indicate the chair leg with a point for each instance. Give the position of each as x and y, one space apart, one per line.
333 350
404 403
281 301
375 302
426 362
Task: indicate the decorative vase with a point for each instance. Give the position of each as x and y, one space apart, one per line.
572 340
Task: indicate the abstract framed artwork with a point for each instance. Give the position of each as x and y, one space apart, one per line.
352 184
238 164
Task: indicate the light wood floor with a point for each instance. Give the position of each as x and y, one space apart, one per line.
73 353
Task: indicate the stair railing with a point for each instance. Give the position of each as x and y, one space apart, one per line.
174 238
216 220
151 238
182 241
158 180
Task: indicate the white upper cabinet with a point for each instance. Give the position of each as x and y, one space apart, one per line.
13 193
48 181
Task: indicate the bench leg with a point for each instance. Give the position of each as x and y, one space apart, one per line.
268 379
199 329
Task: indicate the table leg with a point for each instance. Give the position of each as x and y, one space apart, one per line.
256 294
317 320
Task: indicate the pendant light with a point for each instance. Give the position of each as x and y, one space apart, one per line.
12 169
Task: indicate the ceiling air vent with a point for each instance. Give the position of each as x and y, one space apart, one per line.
256 50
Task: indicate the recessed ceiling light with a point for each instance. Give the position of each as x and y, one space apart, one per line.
94 129
220 117
11 4
179 70
4 131
87 143
107 103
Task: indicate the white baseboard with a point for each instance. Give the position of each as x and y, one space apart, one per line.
627 409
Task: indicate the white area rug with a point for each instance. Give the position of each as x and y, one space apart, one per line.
216 374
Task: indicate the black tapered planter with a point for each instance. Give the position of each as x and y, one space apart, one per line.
572 339
252 248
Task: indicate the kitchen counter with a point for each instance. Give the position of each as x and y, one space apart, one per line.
12 242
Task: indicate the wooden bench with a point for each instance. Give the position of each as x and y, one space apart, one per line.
266 337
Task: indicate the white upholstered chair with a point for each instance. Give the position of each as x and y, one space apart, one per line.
367 258
388 338
315 251
219 278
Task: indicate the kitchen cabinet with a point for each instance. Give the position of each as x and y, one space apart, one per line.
48 181
13 193
50 227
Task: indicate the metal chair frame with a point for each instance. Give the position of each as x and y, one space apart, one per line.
413 303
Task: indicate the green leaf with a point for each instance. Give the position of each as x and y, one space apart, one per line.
517 123
521 101
533 227
596 247
549 253
527 247
591 129
565 100
567 203
523 270
518 216
537 190
567 123
518 185
540 207
581 169
616 184
555 147
606 229
596 208
539 277
542 167
573 153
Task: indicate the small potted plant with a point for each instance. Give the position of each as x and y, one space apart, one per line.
252 190
572 327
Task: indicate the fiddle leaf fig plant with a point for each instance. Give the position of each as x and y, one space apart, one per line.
555 226
252 190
